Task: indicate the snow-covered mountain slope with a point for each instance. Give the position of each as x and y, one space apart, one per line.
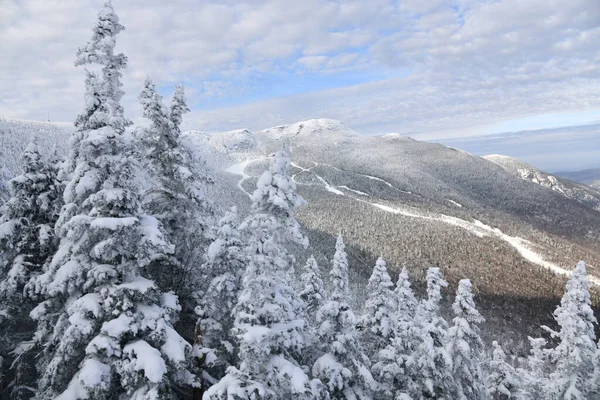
578 192
414 203
590 177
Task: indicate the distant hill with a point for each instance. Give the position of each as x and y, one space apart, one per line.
590 177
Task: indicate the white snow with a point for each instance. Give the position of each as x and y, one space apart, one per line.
329 187
113 223
146 358
454 203
354 190
240 169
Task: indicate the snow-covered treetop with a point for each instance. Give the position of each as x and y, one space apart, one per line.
32 161
405 297
100 49
312 287
380 306
435 283
276 194
152 105
339 272
102 97
178 107
464 305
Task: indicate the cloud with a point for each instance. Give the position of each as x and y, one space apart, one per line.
434 65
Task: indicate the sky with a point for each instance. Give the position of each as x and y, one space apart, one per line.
431 69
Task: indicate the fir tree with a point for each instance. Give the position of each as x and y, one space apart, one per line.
572 359
502 381
312 288
344 368
225 266
176 198
27 241
535 376
377 322
396 367
432 371
465 347
106 330
270 333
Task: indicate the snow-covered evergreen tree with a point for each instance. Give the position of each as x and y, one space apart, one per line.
106 330
176 198
535 376
395 366
344 367
26 242
224 268
270 333
465 346
433 365
312 288
377 322
502 380
573 358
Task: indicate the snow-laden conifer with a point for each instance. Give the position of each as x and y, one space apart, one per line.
226 262
465 346
433 365
270 333
27 241
395 366
535 375
107 331
312 288
377 322
344 367
176 196
502 380
572 359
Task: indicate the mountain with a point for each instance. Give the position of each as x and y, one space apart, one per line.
590 177
416 204
578 192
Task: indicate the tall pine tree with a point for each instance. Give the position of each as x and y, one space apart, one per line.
377 322
572 359
27 241
176 197
344 367
106 330
433 365
465 346
395 367
270 333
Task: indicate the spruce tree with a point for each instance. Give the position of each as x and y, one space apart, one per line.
226 262
465 346
312 288
106 330
27 241
377 322
395 367
175 198
270 333
433 365
502 380
344 368
535 376
573 358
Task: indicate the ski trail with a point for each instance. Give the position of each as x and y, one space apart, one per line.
328 186
240 169
479 229
355 191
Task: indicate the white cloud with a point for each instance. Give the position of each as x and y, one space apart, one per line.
470 62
